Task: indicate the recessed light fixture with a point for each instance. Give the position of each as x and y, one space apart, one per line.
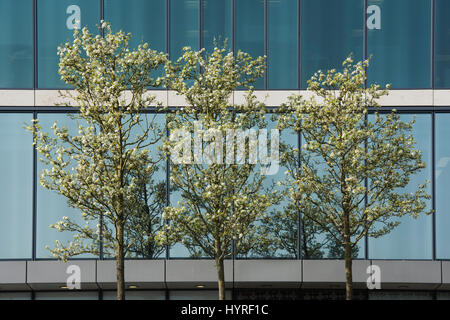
132 287
200 286
64 287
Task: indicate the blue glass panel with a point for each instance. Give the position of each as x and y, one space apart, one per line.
184 26
330 31
282 50
16 187
442 45
442 176
56 21
51 206
217 23
400 42
412 239
250 30
16 44
146 20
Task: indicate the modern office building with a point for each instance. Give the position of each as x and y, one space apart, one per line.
410 44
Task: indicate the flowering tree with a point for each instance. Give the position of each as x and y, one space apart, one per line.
222 195
104 169
352 171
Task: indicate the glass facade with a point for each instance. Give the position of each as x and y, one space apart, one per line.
297 36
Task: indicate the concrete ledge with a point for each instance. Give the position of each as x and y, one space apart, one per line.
145 274
13 275
441 97
445 265
51 275
267 273
420 275
272 98
331 273
187 274
15 98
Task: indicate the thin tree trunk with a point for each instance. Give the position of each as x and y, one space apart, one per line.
120 264
221 278
348 259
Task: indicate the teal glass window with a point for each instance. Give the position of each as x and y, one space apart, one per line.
56 21
282 44
51 206
217 23
16 44
330 31
442 45
16 187
184 26
250 30
145 20
399 38
412 239
442 176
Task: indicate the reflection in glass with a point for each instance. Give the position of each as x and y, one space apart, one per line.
51 206
16 44
16 186
56 21
400 43
412 239
330 31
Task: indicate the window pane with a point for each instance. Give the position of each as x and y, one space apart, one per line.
281 225
400 43
16 186
282 51
412 239
217 23
16 44
442 176
146 20
250 30
56 21
51 206
184 29
442 45
330 31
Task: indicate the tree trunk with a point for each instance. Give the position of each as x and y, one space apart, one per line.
348 258
220 278
120 264
348 273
